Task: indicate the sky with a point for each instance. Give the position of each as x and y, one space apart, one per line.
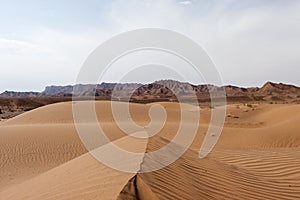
46 42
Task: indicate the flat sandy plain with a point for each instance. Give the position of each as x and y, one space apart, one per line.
256 157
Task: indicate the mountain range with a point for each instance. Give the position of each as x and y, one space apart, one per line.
13 103
166 90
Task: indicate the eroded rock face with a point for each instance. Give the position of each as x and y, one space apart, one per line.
164 90
167 89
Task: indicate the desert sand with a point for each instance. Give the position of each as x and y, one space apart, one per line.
256 157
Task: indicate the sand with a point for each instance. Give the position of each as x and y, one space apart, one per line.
256 157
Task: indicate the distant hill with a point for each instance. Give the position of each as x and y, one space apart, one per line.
167 89
19 94
164 90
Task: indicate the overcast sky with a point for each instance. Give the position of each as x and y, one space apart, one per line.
46 42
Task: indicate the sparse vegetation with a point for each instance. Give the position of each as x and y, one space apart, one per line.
249 105
233 116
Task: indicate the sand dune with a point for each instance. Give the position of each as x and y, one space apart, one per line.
81 178
28 150
227 174
257 156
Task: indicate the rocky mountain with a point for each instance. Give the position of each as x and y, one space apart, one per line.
14 103
277 92
19 94
167 90
57 90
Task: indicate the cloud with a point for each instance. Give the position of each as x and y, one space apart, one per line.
185 2
44 57
249 41
11 46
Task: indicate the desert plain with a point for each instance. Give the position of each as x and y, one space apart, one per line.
256 157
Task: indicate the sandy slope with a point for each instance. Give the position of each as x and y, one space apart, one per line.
28 150
81 178
227 174
257 157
